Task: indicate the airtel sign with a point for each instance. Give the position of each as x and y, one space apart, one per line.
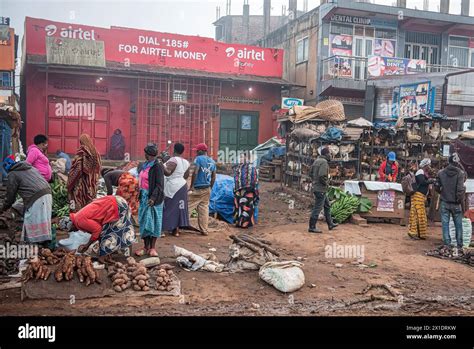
148 48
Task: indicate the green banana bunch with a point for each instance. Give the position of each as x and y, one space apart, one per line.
343 208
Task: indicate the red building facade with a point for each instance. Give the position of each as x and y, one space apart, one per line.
152 86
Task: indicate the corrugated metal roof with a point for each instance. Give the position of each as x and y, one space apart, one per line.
136 69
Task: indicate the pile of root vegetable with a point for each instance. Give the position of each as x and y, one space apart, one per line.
163 278
344 205
130 275
63 265
60 200
134 275
8 266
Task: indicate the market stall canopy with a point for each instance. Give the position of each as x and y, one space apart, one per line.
360 122
330 110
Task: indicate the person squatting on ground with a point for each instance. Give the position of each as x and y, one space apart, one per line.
107 219
320 178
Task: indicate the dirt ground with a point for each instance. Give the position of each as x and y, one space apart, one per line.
423 285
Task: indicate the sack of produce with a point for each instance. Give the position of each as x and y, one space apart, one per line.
284 276
76 239
466 232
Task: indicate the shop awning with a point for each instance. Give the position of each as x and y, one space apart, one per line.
115 68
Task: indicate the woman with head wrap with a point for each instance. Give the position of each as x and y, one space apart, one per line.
84 174
30 185
117 146
418 224
150 211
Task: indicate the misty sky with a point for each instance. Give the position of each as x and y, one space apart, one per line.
189 17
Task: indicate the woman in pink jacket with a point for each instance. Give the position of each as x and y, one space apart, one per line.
37 158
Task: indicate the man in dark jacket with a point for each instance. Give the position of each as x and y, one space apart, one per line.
320 177
451 186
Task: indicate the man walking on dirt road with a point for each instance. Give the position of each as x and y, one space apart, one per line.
320 177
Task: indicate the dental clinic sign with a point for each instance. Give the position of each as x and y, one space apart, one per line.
75 44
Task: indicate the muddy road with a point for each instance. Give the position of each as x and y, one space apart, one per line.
404 280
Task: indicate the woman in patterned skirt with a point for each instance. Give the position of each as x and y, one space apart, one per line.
107 219
245 194
150 212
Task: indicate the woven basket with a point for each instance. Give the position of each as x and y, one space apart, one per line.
331 110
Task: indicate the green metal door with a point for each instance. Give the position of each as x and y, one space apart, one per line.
238 130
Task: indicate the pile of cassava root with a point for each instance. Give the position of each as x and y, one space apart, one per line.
65 266
37 269
131 274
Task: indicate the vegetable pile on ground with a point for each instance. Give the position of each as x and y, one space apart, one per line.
37 269
60 200
8 266
65 264
344 205
163 279
131 274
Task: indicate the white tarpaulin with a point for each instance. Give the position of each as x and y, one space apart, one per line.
353 186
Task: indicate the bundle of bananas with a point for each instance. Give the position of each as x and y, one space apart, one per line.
343 208
60 201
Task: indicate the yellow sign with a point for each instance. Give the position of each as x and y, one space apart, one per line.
326 41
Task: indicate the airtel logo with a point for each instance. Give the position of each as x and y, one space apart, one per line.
51 29
244 53
230 51
70 33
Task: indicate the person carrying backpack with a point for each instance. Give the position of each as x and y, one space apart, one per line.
418 223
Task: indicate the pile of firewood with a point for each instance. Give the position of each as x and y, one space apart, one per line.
446 252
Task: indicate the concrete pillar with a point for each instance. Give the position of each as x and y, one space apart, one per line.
293 8
444 49
246 22
267 7
444 6
465 4
402 3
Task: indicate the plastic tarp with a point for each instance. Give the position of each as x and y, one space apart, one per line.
470 186
222 198
353 186
274 152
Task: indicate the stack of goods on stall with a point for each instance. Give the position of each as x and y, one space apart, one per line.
314 128
412 140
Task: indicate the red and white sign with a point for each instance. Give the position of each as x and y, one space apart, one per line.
142 47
